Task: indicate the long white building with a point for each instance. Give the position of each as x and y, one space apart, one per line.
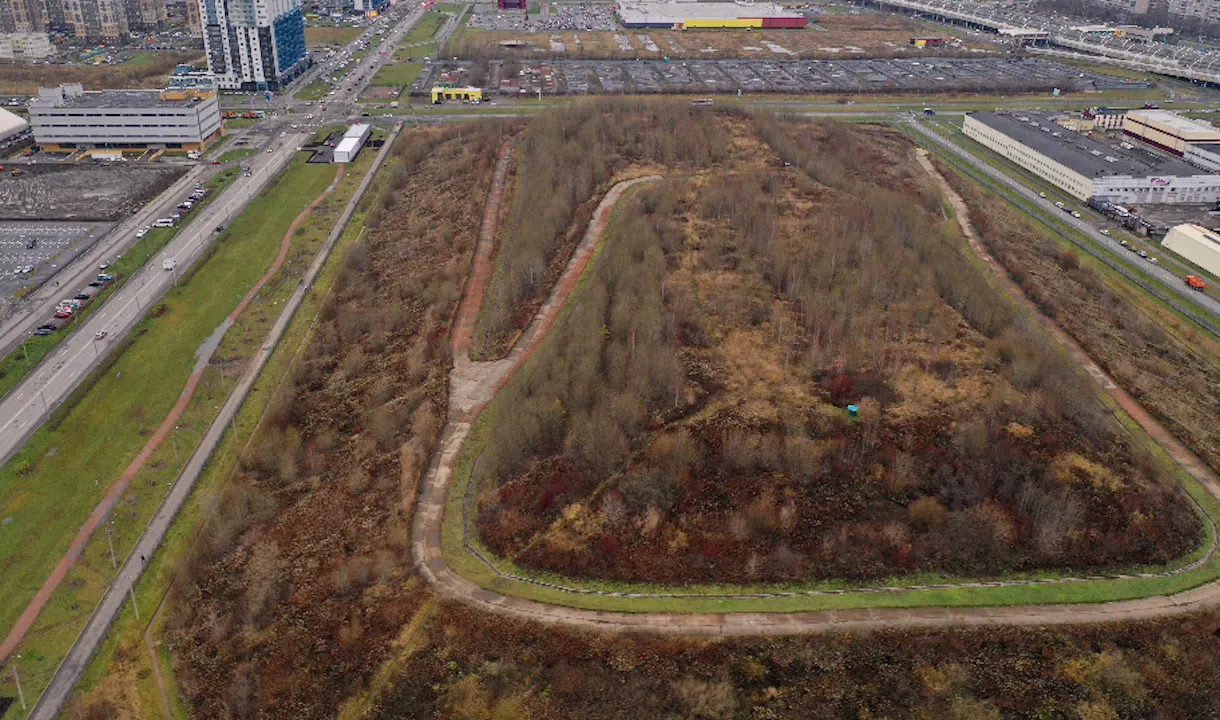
69 118
1197 244
254 44
1086 168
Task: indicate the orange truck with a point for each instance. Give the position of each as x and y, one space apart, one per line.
1196 282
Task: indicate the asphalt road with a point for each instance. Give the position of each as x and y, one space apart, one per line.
38 307
1189 298
25 408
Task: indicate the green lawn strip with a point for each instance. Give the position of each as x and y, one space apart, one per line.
416 52
96 439
452 7
239 154
1168 259
473 568
427 27
220 142
127 633
14 367
320 36
1069 235
399 75
239 123
315 90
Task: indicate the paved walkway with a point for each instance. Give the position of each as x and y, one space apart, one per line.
77 661
473 385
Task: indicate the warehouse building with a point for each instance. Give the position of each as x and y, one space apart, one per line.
11 125
1086 168
1204 155
690 15
353 140
1197 244
1168 131
68 118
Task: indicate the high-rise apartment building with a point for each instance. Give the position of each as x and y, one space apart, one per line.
96 19
22 16
145 14
1205 10
254 44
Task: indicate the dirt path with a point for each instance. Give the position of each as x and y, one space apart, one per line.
473 385
43 596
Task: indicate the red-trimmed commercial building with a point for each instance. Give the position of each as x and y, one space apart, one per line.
1169 131
692 15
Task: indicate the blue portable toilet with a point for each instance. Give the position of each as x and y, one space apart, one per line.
853 410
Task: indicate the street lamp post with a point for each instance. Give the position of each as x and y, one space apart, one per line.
110 541
17 679
173 436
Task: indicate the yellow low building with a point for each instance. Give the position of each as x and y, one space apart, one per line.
464 94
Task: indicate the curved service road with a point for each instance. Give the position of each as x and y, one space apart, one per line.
474 384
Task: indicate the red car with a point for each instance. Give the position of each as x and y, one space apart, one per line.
63 314
215 162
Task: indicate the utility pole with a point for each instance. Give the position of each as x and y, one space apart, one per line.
173 436
26 352
17 679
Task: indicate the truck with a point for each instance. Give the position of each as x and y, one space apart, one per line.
1196 283
169 264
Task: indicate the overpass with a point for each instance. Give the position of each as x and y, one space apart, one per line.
1130 52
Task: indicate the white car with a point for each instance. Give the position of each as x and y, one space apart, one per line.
1103 231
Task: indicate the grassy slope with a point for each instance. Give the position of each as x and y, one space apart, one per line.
239 154
398 75
315 90
15 366
113 662
69 464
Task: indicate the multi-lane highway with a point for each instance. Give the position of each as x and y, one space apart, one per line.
24 409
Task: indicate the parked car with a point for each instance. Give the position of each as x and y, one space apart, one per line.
104 265
1144 254
32 243
105 278
44 330
81 296
1104 231
95 283
63 313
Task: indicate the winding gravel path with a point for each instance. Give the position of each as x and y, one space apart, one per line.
474 384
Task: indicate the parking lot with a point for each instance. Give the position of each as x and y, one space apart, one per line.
82 191
938 75
552 18
55 245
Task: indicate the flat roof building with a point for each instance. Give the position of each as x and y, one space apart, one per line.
25 46
353 140
1169 131
684 15
68 118
1087 168
11 124
1197 244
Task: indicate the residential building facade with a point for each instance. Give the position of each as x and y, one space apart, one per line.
254 44
25 46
